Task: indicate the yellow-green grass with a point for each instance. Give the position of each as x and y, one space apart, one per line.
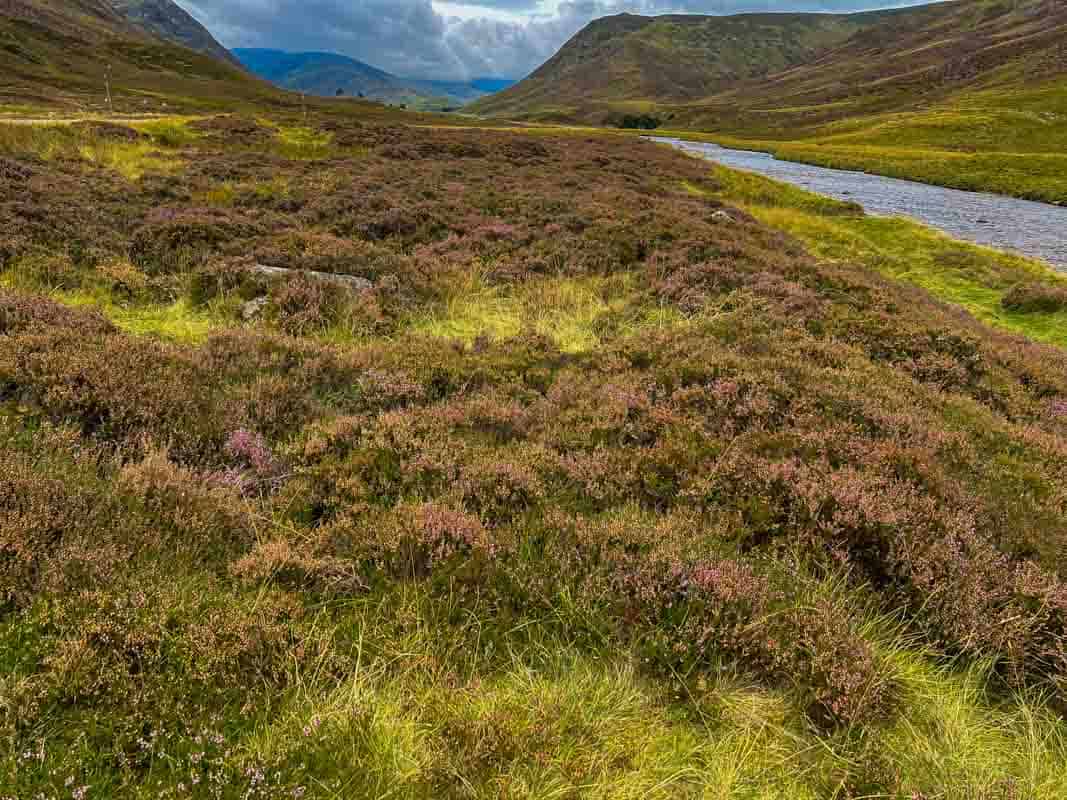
1011 142
131 159
974 277
426 713
566 310
175 320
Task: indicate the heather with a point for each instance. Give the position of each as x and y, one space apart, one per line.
586 483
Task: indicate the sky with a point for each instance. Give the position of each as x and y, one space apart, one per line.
453 39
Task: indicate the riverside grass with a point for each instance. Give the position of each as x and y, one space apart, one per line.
1007 141
972 277
595 493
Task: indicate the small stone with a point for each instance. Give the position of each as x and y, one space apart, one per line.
722 216
253 308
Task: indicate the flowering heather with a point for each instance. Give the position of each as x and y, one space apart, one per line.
250 560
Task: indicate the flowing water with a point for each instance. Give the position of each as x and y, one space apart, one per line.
1034 229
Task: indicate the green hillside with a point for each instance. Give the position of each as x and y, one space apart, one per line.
626 61
57 55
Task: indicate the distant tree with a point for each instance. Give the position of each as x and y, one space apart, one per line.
340 92
645 122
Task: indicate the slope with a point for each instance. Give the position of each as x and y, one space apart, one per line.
169 21
912 59
598 488
626 60
59 54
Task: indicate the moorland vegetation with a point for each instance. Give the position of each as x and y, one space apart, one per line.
595 484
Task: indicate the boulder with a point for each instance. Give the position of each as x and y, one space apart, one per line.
254 308
351 282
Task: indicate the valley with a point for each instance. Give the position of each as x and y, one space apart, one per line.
970 94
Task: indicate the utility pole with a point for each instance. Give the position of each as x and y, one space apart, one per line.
107 86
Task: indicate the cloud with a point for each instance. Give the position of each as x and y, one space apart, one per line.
460 39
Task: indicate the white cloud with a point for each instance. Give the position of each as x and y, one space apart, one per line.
450 39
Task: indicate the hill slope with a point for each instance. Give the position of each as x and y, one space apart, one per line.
627 59
777 72
56 53
169 21
598 486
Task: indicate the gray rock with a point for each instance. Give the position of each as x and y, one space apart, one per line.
722 216
352 282
253 308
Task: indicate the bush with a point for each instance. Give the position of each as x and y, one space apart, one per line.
1035 298
177 240
20 313
644 122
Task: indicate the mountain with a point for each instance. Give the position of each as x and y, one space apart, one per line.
325 73
58 53
768 72
626 60
169 21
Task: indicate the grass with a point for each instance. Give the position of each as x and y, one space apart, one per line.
302 143
549 718
972 277
131 159
566 310
1007 141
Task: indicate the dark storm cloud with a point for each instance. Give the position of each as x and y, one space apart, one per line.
414 38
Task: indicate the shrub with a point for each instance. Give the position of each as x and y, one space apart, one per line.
324 252
20 313
175 240
645 122
303 305
222 276
115 388
1031 298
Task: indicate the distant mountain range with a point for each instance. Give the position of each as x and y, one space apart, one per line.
331 74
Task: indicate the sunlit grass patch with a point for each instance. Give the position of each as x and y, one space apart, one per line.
176 321
950 737
567 310
302 143
418 717
171 132
131 160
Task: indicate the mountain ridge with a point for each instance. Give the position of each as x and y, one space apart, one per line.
723 70
171 22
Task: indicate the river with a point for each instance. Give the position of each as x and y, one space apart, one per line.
1034 229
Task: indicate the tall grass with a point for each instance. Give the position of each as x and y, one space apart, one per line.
131 159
